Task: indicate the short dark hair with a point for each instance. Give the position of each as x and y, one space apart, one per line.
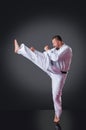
58 37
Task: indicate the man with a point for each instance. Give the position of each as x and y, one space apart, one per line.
55 62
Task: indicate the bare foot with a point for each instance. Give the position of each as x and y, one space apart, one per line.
56 119
16 45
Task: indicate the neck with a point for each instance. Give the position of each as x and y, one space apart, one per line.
60 45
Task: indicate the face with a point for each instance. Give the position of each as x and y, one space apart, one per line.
55 42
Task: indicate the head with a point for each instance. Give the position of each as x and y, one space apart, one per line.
57 41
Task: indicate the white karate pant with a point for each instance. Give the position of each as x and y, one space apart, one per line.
58 80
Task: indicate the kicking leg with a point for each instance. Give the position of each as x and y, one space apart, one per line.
35 56
26 52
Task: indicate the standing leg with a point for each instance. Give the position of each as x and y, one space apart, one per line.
57 85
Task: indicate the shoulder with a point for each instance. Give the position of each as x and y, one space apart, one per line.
68 50
67 47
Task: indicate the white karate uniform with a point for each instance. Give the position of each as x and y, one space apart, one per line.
52 62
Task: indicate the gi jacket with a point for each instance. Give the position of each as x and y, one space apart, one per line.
59 60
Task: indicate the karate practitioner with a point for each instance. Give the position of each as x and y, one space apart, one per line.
55 62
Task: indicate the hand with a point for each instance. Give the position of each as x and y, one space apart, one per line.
46 48
32 49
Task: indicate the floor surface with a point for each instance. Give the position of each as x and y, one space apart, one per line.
42 120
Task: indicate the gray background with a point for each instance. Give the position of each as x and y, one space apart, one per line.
23 85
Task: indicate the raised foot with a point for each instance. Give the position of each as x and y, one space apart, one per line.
16 46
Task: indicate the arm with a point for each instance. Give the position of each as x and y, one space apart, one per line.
53 55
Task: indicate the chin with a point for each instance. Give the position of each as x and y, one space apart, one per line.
54 46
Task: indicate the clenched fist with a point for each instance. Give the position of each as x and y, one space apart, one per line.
32 49
46 48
